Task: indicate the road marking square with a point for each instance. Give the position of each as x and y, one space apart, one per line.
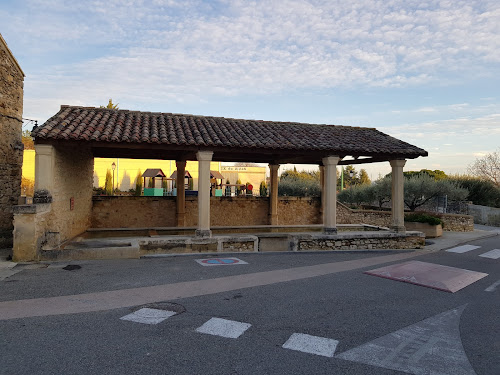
223 327
463 249
493 254
148 316
220 262
311 344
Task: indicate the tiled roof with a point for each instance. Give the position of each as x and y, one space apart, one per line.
122 126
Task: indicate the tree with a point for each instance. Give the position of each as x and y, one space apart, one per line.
299 184
138 184
108 184
421 188
382 191
363 177
110 105
348 180
481 192
487 167
435 174
27 140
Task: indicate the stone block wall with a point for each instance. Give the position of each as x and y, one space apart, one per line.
11 146
133 212
73 177
141 212
299 211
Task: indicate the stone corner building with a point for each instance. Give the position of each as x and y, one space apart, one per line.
11 146
67 143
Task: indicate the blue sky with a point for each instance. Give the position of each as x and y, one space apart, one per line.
423 71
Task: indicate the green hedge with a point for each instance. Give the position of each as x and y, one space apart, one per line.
423 218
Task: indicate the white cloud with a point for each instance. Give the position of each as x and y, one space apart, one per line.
193 48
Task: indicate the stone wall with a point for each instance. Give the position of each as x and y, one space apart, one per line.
11 146
133 212
73 176
410 240
142 212
299 211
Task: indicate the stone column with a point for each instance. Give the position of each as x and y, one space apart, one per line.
330 193
322 186
181 194
273 195
204 158
44 167
398 212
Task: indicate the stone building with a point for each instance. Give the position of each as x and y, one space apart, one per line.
11 146
66 145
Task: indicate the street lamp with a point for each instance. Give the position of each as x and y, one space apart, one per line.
113 167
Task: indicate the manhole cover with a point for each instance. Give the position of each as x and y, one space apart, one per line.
72 267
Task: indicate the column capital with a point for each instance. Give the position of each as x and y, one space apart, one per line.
44 149
204 155
331 160
397 163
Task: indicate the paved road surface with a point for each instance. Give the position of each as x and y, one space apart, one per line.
329 321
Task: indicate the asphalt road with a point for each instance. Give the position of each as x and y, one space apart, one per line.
350 317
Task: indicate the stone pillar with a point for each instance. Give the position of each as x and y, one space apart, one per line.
330 213
322 186
204 158
273 195
44 167
398 208
181 194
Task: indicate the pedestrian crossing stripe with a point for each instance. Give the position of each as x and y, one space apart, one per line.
148 316
311 344
463 249
493 254
224 328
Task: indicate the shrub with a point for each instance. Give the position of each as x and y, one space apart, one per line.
423 218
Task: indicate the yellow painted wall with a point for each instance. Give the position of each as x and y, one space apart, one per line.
29 164
126 171
253 175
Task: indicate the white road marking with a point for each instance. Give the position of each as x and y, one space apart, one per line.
311 344
493 254
492 287
148 316
224 328
431 346
220 262
463 249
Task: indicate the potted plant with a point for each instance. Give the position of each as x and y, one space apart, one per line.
430 225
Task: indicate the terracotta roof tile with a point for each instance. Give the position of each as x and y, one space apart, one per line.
122 126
